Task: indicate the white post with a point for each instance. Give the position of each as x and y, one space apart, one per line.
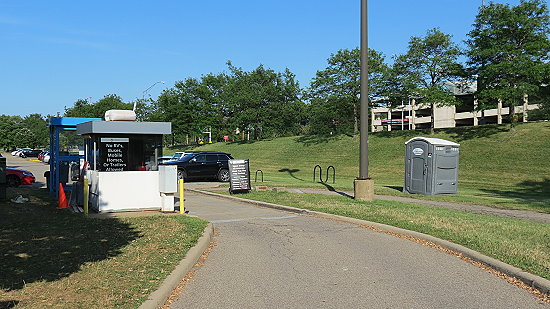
372 120
413 117
525 103
476 121
95 156
402 116
499 112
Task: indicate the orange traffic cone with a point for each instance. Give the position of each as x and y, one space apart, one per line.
62 201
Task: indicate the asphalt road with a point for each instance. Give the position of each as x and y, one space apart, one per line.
265 258
30 164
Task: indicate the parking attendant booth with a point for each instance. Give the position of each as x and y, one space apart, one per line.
122 164
431 166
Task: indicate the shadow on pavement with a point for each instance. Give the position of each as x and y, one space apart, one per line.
331 189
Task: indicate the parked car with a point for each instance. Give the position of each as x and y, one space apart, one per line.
203 164
29 153
16 177
41 155
46 157
180 154
17 152
164 159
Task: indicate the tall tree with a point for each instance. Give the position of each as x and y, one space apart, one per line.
334 91
83 108
37 127
29 131
8 126
193 105
263 101
509 51
430 61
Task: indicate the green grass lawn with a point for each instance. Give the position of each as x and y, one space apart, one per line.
498 167
521 243
51 258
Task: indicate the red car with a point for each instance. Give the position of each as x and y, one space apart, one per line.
16 177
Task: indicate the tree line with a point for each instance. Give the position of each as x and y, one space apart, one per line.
506 53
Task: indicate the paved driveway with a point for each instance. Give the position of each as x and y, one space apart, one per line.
30 164
266 258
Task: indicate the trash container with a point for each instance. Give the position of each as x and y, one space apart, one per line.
47 176
431 166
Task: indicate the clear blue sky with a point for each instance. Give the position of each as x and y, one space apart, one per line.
55 52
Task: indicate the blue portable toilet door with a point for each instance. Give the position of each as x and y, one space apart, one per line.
418 167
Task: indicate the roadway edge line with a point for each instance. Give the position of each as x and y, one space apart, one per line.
157 298
534 281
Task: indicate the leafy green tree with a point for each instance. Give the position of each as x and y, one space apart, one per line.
25 137
29 131
192 106
430 61
542 98
334 91
8 126
38 127
509 51
83 108
263 101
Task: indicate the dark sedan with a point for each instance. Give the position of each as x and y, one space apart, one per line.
203 164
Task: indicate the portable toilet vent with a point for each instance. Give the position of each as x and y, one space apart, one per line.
431 166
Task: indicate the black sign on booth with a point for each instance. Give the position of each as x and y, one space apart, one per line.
113 154
239 172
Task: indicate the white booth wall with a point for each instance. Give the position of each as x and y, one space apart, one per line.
124 191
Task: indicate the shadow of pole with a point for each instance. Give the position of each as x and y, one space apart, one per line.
331 189
291 173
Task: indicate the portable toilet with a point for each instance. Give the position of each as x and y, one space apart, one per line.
431 166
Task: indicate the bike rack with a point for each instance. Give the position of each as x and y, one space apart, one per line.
333 174
256 177
320 173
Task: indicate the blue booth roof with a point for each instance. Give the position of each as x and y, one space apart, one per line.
69 121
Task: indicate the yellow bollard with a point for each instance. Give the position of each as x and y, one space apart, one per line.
86 193
182 197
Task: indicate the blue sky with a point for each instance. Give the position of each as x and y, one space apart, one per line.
55 52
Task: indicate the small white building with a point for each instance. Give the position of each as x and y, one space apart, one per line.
122 164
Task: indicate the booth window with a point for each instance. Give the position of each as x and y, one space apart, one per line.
124 152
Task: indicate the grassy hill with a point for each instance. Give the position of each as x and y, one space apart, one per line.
498 167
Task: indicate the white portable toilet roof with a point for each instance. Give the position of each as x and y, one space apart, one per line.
433 141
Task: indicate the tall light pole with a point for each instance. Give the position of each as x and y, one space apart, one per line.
364 186
145 91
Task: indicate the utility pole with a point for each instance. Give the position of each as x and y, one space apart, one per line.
363 186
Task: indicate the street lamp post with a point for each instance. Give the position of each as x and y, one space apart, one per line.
145 91
364 186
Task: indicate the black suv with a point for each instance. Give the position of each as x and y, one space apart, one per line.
203 164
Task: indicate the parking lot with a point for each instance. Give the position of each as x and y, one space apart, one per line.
30 164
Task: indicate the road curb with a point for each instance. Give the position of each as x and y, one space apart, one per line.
534 281
159 297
